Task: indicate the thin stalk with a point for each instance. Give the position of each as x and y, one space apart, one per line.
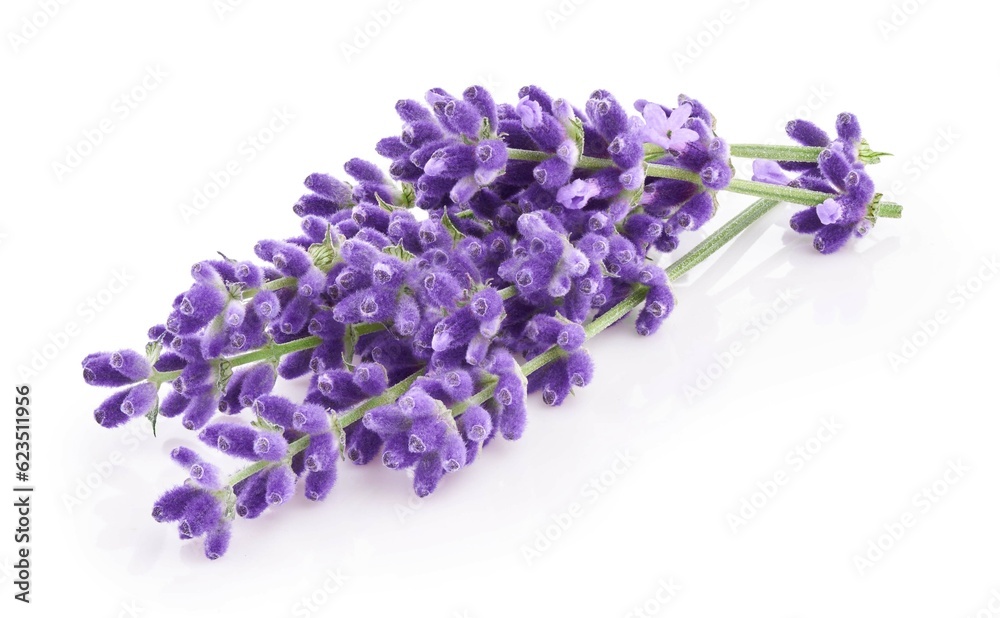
273 351
348 418
293 449
389 396
720 237
804 197
802 154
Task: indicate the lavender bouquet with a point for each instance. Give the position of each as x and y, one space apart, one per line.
425 304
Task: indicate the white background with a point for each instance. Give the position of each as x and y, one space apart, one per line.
666 517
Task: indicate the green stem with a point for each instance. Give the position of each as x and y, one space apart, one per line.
272 285
277 284
720 237
597 163
778 192
803 154
389 396
270 352
609 317
656 170
520 154
348 418
531 366
159 377
478 399
746 187
293 449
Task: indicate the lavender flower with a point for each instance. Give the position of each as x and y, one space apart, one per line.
840 172
417 337
667 131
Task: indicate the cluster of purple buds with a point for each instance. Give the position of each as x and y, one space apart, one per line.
197 506
412 300
683 137
839 171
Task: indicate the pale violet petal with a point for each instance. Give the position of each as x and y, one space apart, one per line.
829 211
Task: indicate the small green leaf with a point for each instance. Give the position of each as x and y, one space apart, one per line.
153 414
868 156
386 206
633 197
153 350
445 414
262 423
399 252
327 253
456 236
350 341
341 434
563 319
236 290
652 153
409 197
576 133
225 373
485 129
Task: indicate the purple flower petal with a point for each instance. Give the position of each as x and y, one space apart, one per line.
769 172
829 211
576 194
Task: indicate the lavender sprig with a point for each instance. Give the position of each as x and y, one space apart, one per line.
423 334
